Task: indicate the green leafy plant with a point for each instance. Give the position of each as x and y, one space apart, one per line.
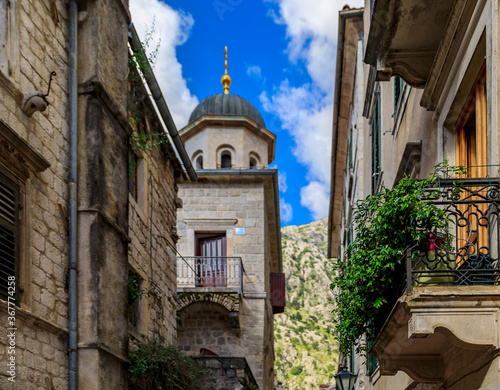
387 225
138 59
136 291
161 367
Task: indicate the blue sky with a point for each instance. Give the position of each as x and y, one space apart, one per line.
281 58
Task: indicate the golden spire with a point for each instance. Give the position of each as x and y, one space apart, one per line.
226 80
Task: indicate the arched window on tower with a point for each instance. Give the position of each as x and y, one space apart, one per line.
199 162
225 160
254 160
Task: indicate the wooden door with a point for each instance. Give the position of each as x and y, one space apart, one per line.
471 151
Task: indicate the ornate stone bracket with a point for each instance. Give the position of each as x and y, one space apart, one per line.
437 338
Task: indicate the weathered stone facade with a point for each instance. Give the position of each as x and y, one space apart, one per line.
152 230
399 115
240 206
41 314
224 204
116 232
228 373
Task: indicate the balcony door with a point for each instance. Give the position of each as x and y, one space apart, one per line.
211 260
471 151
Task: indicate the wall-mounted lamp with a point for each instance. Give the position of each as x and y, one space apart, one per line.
36 101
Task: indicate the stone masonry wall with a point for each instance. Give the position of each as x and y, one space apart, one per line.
152 231
208 326
228 374
41 47
221 205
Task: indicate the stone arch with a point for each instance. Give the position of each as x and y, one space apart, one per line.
227 153
254 160
197 159
230 302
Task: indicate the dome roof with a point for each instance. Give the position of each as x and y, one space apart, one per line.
226 104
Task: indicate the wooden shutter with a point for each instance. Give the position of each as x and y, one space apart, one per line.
471 151
278 292
9 232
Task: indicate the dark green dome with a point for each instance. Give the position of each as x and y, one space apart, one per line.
226 104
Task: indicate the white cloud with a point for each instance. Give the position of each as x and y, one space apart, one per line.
254 70
286 211
306 110
316 198
172 29
282 182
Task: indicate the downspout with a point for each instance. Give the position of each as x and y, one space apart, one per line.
136 46
73 100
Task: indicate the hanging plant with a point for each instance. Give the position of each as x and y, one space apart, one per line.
387 225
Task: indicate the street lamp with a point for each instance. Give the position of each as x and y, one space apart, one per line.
345 380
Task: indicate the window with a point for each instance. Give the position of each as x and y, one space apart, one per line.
398 90
471 149
210 263
133 171
8 36
9 233
225 160
199 162
376 144
254 160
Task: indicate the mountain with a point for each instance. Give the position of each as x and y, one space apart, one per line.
306 349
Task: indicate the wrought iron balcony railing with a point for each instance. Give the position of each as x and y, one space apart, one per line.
468 252
220 272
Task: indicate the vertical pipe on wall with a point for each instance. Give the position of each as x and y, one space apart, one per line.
72 295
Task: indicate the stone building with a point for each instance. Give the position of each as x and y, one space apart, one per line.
73 230
417 83
229 279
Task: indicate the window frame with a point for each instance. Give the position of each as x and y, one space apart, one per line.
9 43
376 144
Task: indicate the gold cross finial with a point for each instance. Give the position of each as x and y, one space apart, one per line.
225 80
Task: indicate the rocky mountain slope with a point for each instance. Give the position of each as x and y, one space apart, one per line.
306 349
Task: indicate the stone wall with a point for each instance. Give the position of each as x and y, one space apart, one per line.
208 325
152 229
228 374
39 34
39 46
221 204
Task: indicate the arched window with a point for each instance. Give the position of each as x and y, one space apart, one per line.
254 160
199 162
225 160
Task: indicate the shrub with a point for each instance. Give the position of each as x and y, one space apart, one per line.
165 368
297 370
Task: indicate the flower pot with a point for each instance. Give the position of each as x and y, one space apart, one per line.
434 268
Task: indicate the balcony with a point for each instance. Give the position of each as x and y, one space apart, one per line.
210 274
441 325
217 280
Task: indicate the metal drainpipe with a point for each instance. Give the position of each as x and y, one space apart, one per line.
136 46
73 100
